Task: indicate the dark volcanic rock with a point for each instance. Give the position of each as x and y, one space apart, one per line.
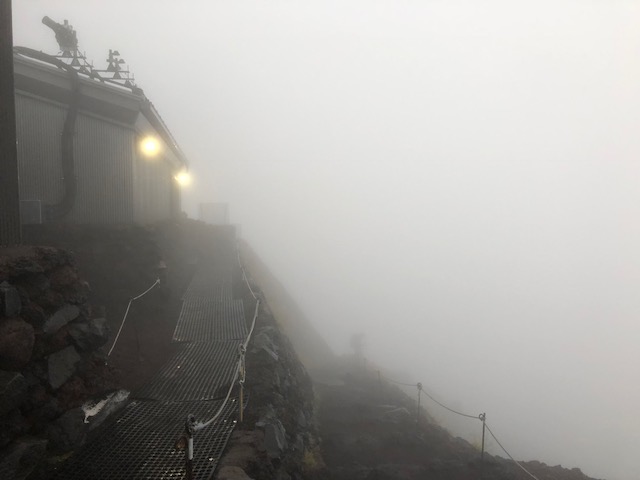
232 473
59 319
10 300
50 301
16 343
12 426
91 335
68 432
33 285
22 457
33 314
275 438
18 265
13 388
64 276
61 366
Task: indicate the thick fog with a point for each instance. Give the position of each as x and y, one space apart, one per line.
457 180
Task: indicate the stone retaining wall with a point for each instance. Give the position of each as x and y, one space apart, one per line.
49 359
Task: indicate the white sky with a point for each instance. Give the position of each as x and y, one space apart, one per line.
458 180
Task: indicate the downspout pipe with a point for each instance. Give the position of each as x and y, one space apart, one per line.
58 211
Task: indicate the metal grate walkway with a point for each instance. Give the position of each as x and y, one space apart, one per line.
203 320
199 371
139 444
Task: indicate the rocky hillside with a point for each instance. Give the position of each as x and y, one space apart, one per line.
368 428
310 414
50 361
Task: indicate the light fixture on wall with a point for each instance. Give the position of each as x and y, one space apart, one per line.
183 178
150 146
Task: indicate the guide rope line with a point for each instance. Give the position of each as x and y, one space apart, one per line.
131 300
240 365
508 454
244 274
399 383
420 387
191 425
200 425
476 417
481 417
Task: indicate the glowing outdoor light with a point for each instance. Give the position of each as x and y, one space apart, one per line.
150 146
183 178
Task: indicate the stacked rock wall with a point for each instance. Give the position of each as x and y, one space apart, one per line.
49 360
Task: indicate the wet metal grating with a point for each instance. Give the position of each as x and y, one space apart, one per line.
199 371
210 320
140 444
210 290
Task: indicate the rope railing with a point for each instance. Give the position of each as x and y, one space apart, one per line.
482 417
126 313
192 425
421 389
244 275
509 455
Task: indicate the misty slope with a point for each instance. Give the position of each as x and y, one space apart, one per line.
367 427
312 349
369 430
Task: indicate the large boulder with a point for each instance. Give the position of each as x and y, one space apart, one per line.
275 438
33 314
16 343
68 432
61 366
59 319
89 335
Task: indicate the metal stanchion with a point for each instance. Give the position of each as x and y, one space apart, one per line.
243 351
189 431
241 400
419 385
482 417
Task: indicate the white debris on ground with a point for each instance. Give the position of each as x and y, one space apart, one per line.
92 408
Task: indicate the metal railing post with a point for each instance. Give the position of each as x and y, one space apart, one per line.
189 431
419 385
482 417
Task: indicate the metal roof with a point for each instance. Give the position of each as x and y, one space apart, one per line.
37 73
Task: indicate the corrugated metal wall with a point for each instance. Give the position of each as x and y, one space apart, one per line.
104 155
115 184
38 130
152 189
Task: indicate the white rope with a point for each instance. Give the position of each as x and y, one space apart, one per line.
255 314
509 455
253 325
157 282
243 349
199 425
244 274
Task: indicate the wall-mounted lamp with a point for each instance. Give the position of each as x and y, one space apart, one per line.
183 178
150 146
